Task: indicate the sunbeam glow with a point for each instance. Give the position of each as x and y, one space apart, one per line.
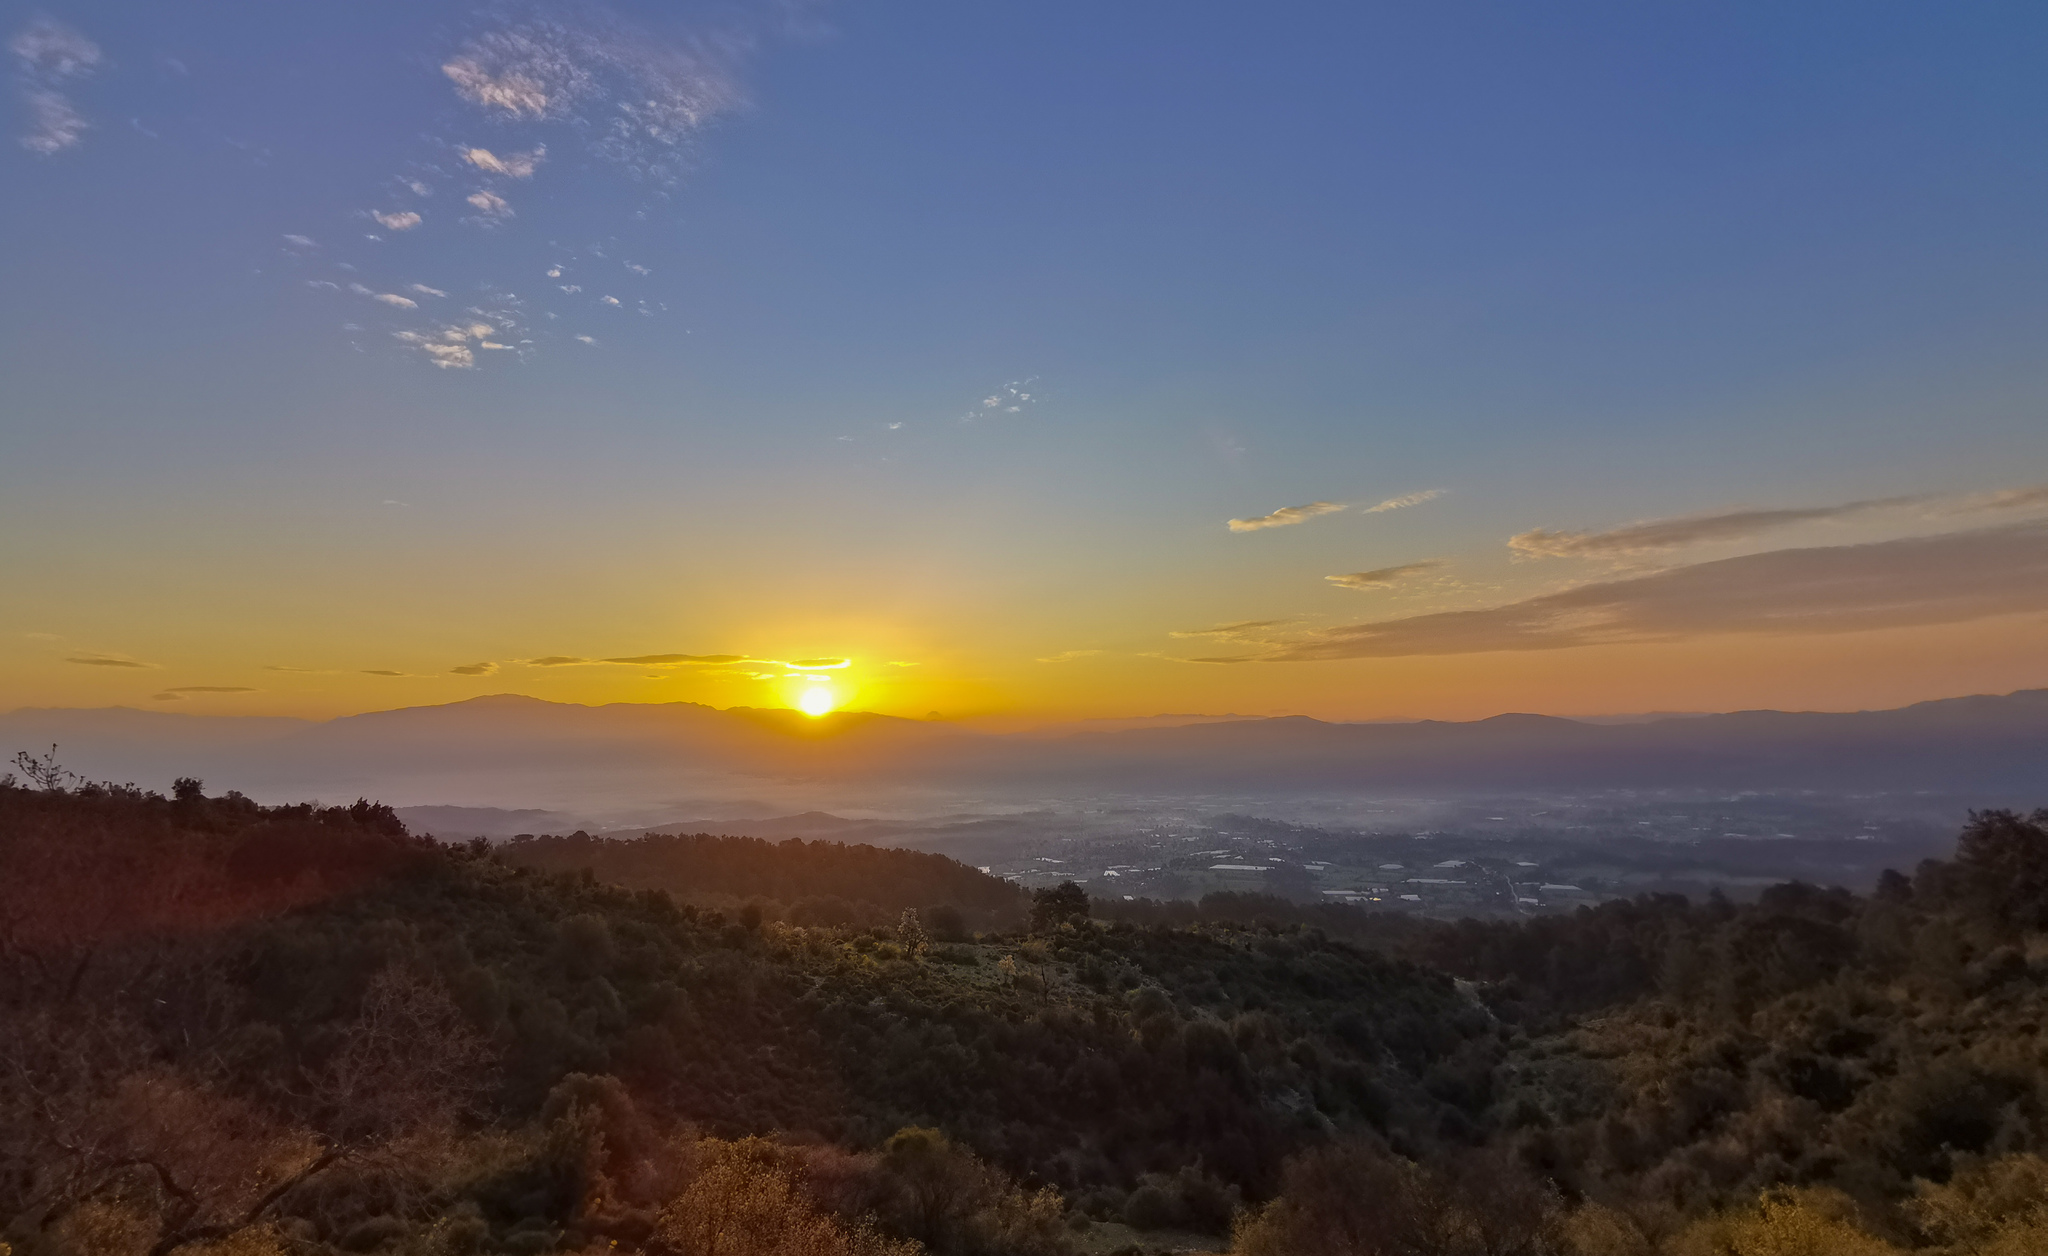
817 700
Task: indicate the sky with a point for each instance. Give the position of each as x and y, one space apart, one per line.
1024 362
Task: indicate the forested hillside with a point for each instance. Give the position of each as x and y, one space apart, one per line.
226 1028
809 883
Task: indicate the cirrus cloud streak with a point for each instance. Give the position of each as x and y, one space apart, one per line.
1659 535
1286 516
1383 577
1407 499
636 98
1949 578
676 660
47 56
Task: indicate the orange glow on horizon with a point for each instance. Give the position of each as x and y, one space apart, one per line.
1027 683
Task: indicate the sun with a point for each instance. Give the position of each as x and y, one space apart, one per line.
817 700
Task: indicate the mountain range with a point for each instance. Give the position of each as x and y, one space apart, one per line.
513 751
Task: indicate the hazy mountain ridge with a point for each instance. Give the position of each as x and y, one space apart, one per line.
1993 746
1983 742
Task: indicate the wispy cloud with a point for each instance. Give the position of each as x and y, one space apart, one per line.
1286 516
490 204
475 669
817 665
1068 656
1659 535
47 56
425 291
1014 397
107 660
637 98
511 165
382 671
555 660
54 122
2030 497
1383 577
301 242
177 692
54 51
449 347
632 97
1948 578
675 660
440 350
1231 630
524 72
388 298
1409 499
1669 534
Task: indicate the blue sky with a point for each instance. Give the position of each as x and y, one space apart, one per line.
1569 267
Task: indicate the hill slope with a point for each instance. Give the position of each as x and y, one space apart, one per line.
305 1028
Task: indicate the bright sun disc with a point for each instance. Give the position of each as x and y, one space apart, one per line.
816 701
